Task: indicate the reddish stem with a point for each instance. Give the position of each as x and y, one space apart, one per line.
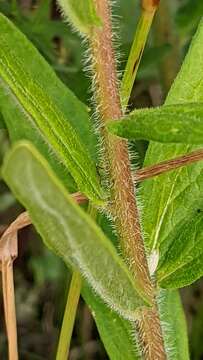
124 207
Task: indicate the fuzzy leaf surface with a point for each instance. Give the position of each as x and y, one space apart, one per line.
174 198
69 231
166 124
81 13
38 107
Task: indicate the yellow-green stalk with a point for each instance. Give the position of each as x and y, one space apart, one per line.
144 25
69 316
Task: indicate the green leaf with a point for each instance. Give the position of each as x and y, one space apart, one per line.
186 252
69 231
117 333
171 200
166 124
28 85
81 13
41 30
189 15
173 325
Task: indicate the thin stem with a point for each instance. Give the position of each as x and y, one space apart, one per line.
69 317
147 15
9 307
8 253
72 301
163 167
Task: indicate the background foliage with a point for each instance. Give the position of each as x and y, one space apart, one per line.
40 277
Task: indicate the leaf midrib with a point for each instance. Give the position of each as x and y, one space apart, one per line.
33 122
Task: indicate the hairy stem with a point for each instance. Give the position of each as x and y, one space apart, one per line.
149 172
118 165
124 207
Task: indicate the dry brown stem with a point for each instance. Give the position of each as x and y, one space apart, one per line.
8 253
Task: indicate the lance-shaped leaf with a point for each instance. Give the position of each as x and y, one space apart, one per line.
173 199
33 103
167 124
81 13
69 231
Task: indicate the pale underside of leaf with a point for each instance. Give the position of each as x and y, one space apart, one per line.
60 222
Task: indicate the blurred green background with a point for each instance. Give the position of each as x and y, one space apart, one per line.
41 279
